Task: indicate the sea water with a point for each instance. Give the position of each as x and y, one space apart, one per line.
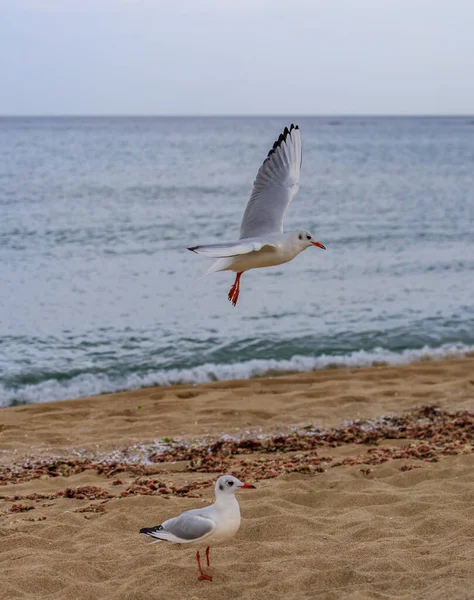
98 292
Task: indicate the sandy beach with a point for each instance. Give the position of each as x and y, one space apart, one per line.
364 477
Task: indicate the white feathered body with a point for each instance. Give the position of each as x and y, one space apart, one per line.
226 516
281 248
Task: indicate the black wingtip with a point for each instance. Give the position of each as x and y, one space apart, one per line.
194 248
282 138
148 530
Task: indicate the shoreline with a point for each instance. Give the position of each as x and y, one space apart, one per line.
86 385
324 398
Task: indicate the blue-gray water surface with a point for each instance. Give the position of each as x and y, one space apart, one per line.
98 292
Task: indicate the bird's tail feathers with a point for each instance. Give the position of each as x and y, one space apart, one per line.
219 265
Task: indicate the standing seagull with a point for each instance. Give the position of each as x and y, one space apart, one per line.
262 242
215 523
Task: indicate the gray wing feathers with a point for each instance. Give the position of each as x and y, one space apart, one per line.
230 249
275 186
189 527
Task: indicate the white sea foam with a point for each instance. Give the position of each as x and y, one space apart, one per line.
94 384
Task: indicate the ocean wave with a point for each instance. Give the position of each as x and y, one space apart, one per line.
90 384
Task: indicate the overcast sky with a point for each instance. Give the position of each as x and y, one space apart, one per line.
288 57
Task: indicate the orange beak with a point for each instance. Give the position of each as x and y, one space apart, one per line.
247 486
319 245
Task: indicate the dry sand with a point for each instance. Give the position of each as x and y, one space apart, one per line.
357 531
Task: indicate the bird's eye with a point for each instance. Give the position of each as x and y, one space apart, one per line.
300 236
231 483
308 237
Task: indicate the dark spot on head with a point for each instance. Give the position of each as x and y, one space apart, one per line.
221 487
300 236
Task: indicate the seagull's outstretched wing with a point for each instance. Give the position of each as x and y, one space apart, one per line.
276 183
230 249
184 529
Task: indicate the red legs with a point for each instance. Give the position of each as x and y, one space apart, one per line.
202 574
235 289
207 556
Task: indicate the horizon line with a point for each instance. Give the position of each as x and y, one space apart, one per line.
237 116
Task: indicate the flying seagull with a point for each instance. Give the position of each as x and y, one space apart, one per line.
262 242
